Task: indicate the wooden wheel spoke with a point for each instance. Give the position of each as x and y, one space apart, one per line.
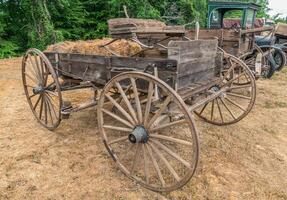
33 95
125 154
31 68
170 139
52 100
46 76
235 104
227 108
121 139
52 106
128 117
235 78
127 102
116 128
228 71
238 80
37 102
35 69
249 61
155 165
48 86
42 69
136 158
154 129
49 109
247 78
41 108
52 93
31 78
32 72
38 69
201 111
240 87
45 111
119 100
138 104
146 169
165 161
212 110
159 111
219 109
171 153
148 104
238 95
117 118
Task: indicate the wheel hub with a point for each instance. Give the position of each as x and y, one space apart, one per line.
215 88
38 90
139 135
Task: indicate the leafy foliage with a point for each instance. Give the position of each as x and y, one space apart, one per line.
7 49
37 23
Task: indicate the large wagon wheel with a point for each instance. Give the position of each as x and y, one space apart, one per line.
239 98
42 88
151 135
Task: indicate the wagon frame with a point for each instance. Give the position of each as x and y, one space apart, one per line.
141 101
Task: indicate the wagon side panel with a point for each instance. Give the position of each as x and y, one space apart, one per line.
100 69
196 61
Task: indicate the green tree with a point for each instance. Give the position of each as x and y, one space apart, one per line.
68 17
38 23
40 28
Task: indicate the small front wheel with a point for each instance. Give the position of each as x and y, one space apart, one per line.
42 88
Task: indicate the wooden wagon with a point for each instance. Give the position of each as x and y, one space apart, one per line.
145 104
239 37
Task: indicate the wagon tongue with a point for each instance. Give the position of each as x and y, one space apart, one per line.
139 135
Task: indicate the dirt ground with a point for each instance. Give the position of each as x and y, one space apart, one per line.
247 160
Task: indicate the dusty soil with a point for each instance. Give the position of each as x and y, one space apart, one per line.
247 160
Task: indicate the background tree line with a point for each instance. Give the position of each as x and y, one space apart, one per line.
38 23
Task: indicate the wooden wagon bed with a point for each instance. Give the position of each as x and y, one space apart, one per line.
187 63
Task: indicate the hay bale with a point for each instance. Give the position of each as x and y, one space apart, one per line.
62 47
93 47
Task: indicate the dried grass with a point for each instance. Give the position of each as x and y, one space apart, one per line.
93 47
247 160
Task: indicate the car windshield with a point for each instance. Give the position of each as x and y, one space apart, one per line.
249 19
233 19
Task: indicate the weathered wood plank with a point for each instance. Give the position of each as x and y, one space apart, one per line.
196 60
205 33
196 65
202 76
